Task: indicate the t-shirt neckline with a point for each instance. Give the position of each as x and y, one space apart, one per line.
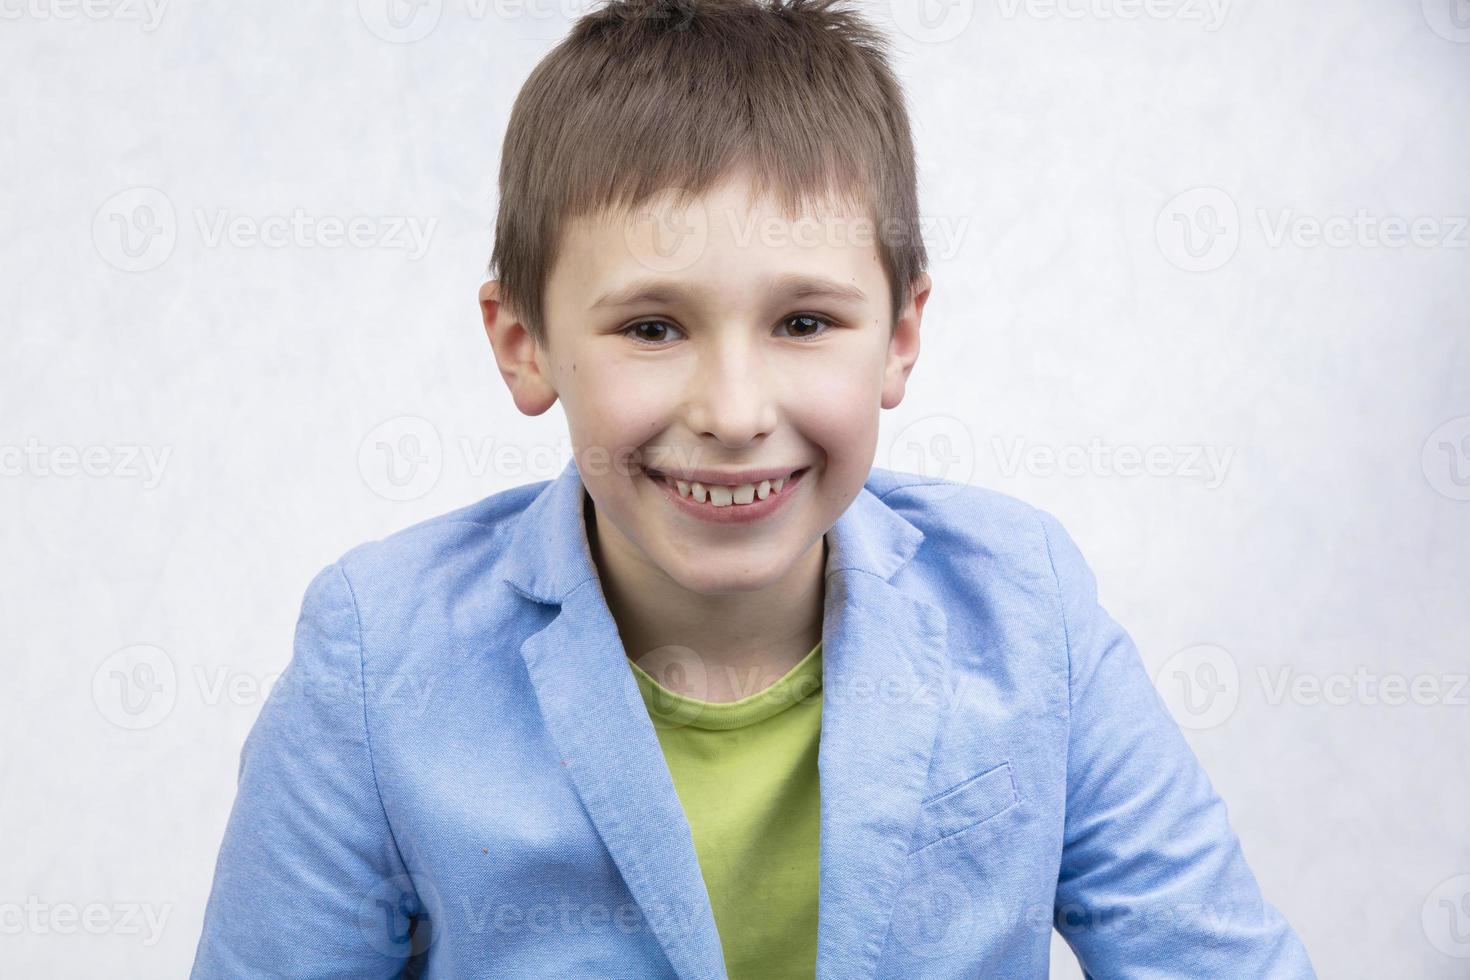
670 709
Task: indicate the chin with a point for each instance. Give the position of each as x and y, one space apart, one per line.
712 582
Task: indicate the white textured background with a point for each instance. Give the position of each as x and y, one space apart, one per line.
1325 545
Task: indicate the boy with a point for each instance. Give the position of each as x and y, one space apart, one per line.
722 699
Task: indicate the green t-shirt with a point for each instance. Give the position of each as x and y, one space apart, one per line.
746 774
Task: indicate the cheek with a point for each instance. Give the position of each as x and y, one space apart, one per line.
606 413
838 407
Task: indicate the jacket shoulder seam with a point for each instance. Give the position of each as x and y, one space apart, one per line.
430 525
367 735
913 486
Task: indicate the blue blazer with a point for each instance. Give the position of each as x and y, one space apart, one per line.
456 775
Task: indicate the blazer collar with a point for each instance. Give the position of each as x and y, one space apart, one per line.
883 659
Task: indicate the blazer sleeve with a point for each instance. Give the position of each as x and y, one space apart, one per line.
309 882
1153 882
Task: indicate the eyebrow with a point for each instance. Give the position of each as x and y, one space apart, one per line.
790 285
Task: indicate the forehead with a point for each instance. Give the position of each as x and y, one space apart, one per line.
728 244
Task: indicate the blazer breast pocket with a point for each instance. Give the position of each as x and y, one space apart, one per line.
965 805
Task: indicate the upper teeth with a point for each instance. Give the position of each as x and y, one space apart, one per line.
724 496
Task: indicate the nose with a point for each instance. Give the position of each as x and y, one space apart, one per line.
733 398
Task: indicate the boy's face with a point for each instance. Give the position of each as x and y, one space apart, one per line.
757 344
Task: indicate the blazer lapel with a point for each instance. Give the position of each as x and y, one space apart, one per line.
884 655
602 732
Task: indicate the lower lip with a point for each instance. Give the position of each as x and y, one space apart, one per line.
734 513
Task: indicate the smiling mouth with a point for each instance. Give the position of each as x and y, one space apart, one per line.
726 495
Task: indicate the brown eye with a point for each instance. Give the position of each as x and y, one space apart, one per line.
806 326
659 330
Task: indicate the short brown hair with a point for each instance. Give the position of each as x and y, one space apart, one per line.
645 96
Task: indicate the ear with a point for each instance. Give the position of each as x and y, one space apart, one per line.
903 348
521 360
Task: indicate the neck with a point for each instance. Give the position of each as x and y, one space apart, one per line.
743 641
